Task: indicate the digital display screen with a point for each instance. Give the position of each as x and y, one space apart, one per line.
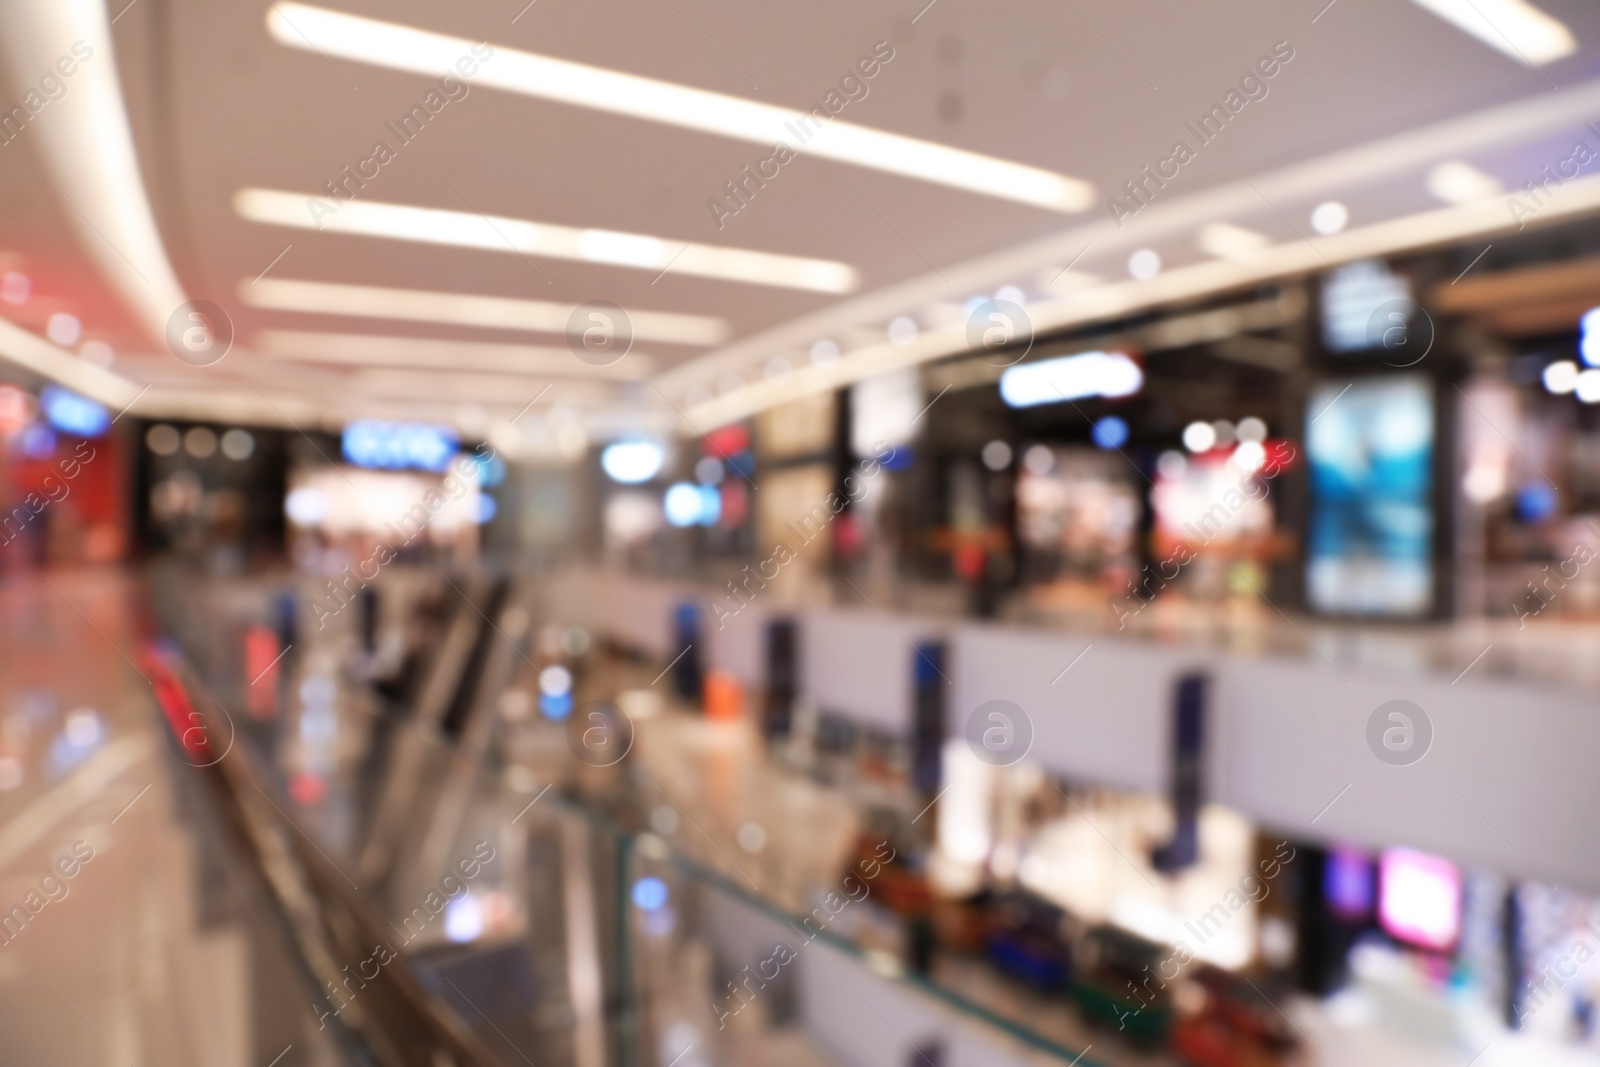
1347 884
1369 451
1419 899
1361 304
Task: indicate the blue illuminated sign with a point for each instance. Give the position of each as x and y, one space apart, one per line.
74 414
399 445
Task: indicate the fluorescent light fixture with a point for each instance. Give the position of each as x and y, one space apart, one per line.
431 353
25 349
1050 381
1227 241
388 44
1456 182
1514 27
464 309
466 229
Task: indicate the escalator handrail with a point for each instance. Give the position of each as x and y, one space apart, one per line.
389 1012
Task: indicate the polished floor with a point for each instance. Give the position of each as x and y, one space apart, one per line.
130 938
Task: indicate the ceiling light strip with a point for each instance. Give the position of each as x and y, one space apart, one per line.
33 353
382 350
464 309
464 229
1514 27
398 47
86 150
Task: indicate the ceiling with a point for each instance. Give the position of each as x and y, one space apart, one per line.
1376 94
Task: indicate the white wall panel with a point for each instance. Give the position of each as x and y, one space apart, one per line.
858 663
635 611
1105 720
740 645
1509 782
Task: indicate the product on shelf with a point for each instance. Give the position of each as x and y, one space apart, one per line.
1221 1020
1024 939
1114 984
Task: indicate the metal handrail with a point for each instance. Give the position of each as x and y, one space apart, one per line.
334 932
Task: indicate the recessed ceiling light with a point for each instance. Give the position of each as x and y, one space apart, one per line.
382 350
902 330
467 229
1227 241
1460 183
1144 264
15 288
1329 217
64 329
465 309
1515 27
824 352
388 44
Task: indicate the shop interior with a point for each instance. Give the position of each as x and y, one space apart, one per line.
1036 536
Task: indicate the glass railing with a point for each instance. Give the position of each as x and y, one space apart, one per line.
579 868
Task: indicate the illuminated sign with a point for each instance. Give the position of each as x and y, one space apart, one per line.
399 445
74 414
